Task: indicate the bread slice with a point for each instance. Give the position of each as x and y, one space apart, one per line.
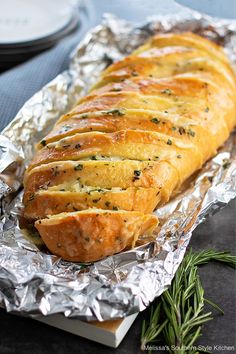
127 145
61 199
93 234
156 180
103 121
187 40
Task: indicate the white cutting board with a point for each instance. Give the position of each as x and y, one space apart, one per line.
109 333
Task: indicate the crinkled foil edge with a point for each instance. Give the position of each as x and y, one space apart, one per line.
33 282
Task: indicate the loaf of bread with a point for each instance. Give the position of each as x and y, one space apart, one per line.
151 121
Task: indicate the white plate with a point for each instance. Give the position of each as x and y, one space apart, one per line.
29 20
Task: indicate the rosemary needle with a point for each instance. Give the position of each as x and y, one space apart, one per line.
179 315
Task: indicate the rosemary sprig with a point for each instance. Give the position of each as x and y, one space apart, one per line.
179 315
154 329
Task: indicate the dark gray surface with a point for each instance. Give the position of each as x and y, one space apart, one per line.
20 335
27 336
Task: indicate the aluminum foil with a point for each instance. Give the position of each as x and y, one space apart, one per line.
35 282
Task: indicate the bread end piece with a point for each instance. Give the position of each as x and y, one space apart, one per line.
90 235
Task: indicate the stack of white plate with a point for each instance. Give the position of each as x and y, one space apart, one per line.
27 27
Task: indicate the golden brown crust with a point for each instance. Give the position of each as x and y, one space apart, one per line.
94 234
151 120
103 175
50 202
126 144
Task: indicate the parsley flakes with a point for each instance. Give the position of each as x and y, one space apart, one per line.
43 142
166 91
155 120
78 167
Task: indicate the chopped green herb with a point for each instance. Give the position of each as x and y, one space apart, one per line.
210 178
94 157
207 109
182 130
115 208
31 197
155 120
169 142
65 128
43 142
174 128
84 116
115 89
96 200
166 91
137 173
191 132
115 112
95 190
226 163
79 167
